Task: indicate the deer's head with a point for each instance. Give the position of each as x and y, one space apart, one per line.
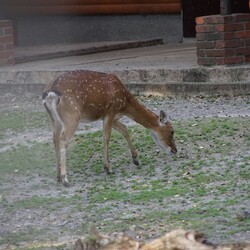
163 135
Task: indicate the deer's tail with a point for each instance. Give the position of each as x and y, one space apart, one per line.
51 100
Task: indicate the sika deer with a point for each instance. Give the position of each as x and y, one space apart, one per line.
90 96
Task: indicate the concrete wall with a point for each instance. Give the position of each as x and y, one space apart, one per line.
39 30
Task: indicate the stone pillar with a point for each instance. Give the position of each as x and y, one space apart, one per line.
6 43
223 39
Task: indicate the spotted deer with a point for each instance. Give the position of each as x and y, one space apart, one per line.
89 96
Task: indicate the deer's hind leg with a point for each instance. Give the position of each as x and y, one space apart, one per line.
61 138
117 125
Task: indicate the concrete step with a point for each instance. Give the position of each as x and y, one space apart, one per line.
36 53
172 89
220 75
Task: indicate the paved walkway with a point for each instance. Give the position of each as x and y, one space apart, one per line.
161 69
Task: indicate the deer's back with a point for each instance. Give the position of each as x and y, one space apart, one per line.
91 94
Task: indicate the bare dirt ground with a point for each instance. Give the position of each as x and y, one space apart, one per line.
179 109
38 213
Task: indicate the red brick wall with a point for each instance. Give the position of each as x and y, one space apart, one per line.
6 43
223 40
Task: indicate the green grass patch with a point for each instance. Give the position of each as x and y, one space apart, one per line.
18 120
202 187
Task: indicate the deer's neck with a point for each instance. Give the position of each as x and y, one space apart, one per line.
140 114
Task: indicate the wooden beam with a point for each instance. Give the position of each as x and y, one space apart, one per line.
83 2
96 9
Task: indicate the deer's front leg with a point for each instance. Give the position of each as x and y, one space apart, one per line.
117 125
60 148
107 126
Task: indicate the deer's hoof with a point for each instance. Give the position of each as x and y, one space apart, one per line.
108 170
136 162
65 181
66 184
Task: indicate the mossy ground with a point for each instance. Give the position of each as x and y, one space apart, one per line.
204 187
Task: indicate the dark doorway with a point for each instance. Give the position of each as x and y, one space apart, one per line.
194 8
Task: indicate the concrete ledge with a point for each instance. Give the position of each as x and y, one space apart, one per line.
36 53
139 76
185 75
190 89
178 90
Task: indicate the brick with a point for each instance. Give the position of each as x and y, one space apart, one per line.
245 51
229 52
11 61
2 62
206 61
213 52
6 54
219 52
242 34
200 20
227 19
208 36
200 53
229 43
213 19
8 31
220 27
219 19
7 61
228 35
6 39
247 25
239 17
205 44
205 28
6 23
229 27
247 42
234 60
9 46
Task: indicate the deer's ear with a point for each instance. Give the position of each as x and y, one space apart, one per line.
163 116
